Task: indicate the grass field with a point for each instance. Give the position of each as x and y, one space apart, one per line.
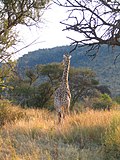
35 135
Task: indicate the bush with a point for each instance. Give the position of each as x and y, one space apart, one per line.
117 99
104 102
112 141
9 113
33 96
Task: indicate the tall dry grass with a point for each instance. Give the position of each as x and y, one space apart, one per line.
38 136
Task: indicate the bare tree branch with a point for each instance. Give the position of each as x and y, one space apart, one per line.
97 21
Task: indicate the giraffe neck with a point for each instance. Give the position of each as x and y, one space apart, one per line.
65 74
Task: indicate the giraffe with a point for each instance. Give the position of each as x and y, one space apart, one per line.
62 95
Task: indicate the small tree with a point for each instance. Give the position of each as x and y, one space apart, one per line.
7 73
117 99
52 71
104 102
42 99
32 90
82 84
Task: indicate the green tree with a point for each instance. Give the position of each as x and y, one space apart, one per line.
52 71
117 99
39 84
82 84
7 72
13 13
28 92
31 75
82 81
43 94
104 102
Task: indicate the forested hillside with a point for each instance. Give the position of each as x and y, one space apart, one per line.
107 71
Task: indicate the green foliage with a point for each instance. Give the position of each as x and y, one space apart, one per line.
21 93
6 75
9 113
82 82
13 13
104 102
112 140
27 95
117 99
52 71
31 76
39 84
41 96
32 91
104 89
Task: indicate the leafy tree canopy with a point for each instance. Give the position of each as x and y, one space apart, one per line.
39 84
12 13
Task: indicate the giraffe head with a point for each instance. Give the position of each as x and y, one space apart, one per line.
66 58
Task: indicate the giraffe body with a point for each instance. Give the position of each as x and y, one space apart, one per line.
62 95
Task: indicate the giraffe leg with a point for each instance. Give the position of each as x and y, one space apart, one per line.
67 110
59 117
64 115
63 112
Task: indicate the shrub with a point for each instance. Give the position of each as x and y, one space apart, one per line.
104 102
117 99
9 113
112 140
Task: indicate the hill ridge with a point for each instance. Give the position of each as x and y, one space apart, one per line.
107 72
